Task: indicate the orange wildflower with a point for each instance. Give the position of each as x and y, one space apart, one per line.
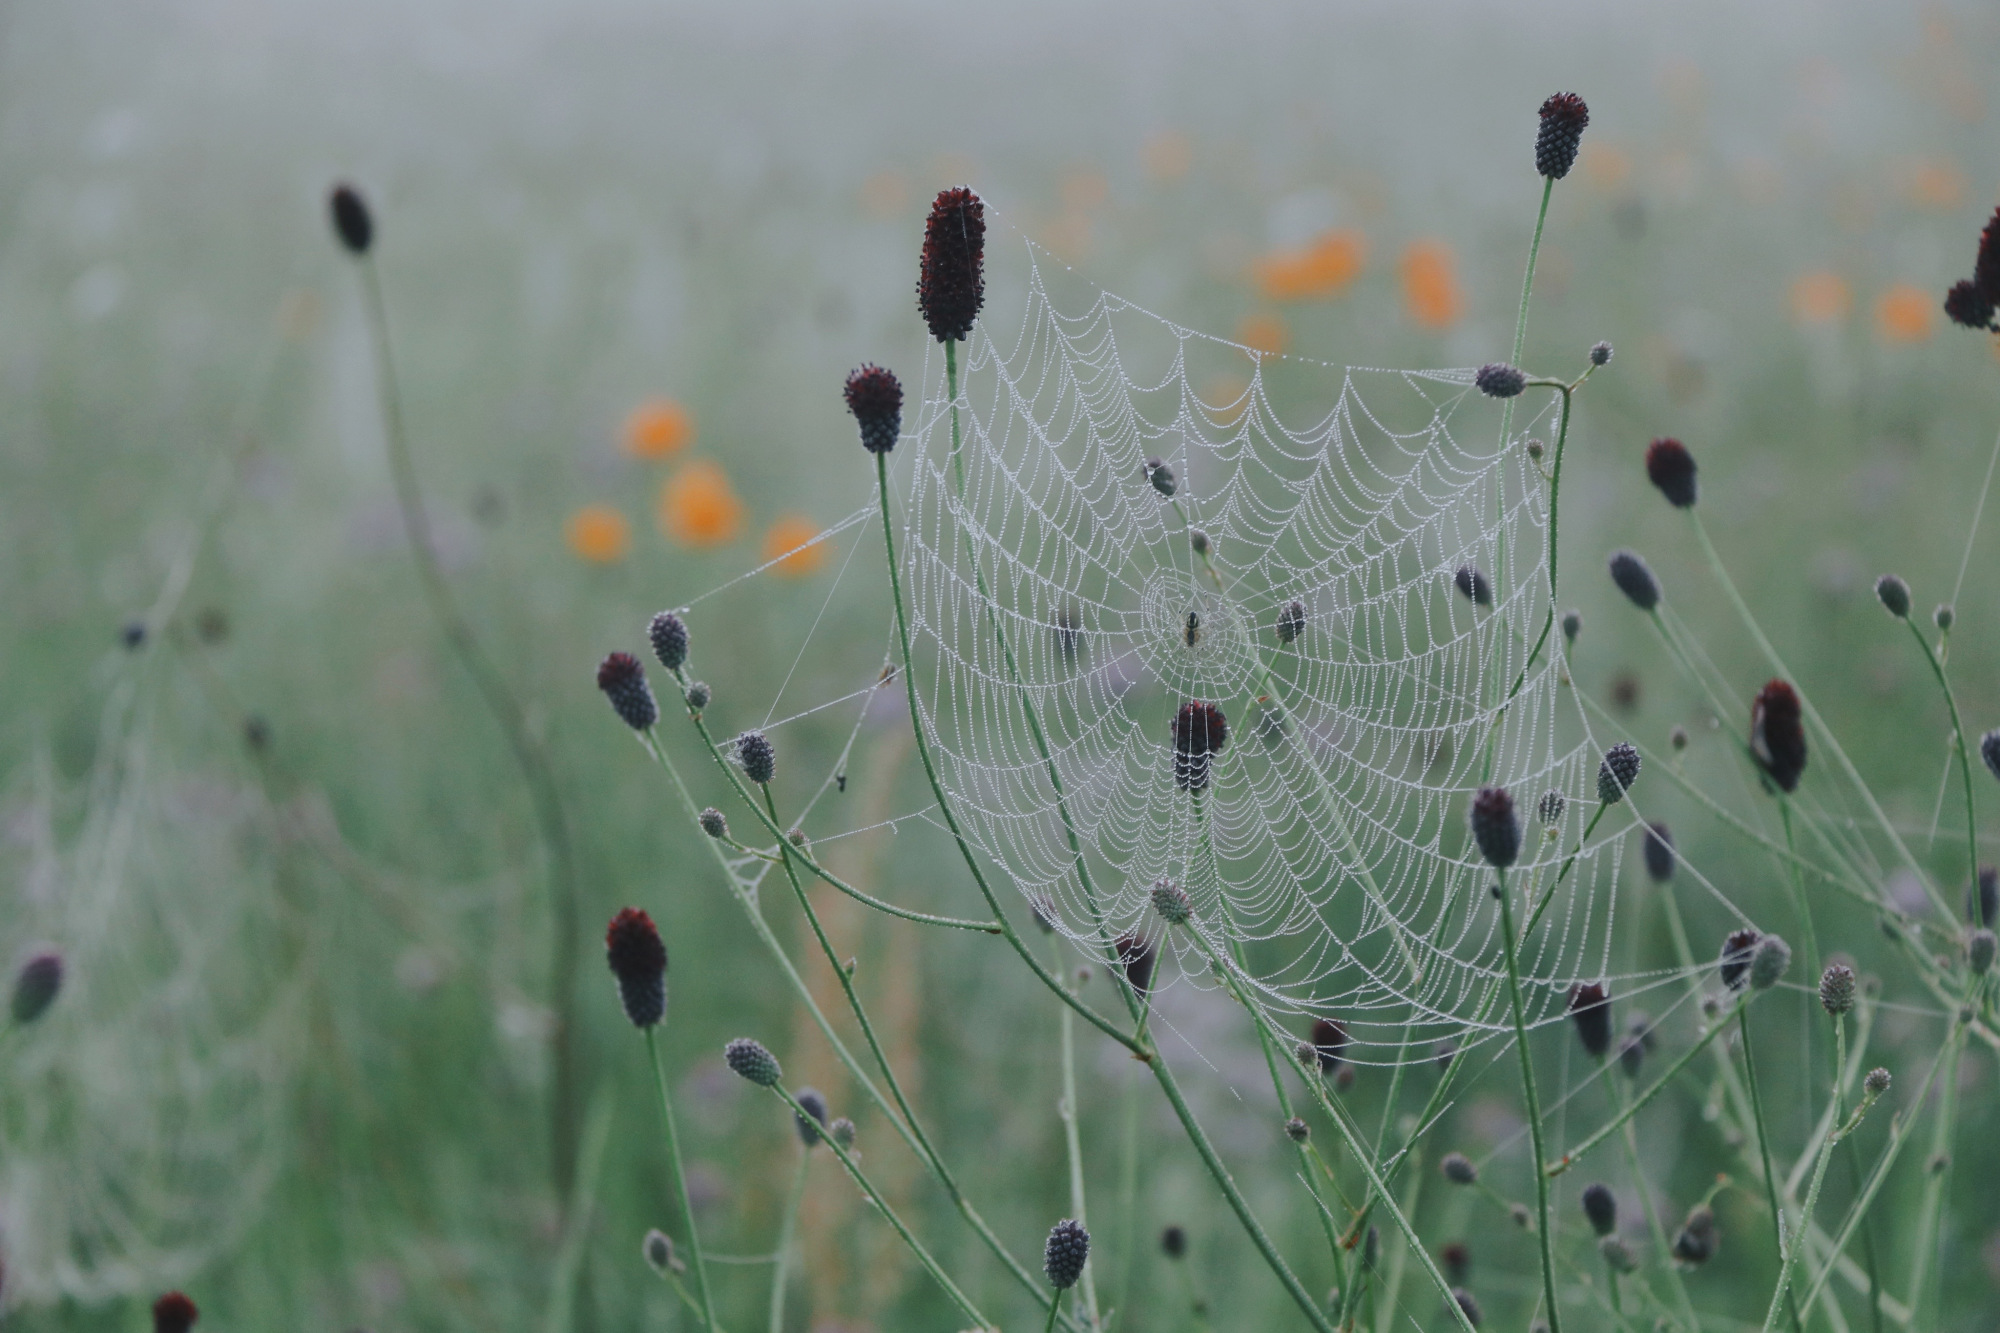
599 534
1820 297
698 507
1936 185
658 428
1321 269
1430 287
1903 314
1263 332
787 538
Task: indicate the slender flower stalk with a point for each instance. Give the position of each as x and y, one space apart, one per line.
788 1226
1635 1105
1543 1233
874 1196
1899 1134
356 231
680 1178
1836 1132
911 1134
1073 1154
1161 1074
1824 732
1335 1112
1937 1178
1936 662
1764 1147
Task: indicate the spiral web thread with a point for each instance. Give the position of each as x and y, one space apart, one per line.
1048 579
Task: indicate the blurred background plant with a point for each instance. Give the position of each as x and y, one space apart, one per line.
302 1057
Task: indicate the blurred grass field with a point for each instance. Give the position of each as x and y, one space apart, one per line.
629 254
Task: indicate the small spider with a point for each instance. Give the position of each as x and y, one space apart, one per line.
1192 634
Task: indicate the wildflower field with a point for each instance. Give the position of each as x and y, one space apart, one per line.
1112 667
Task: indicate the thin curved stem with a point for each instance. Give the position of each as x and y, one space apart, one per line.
543 793
1938 1179
787 1229
965 851
912 1138
1958 738
1899 1133
1630 1140
680 1178
1542 1233
1073 1151
1825 732
1350 1134
1633 1105
806 858
874 1196
1764 1147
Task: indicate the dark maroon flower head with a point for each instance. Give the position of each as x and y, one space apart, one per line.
174 1313
1660 855
351 220
1563 119
1456 1259
1986 268
1329 1044
1200 731
1590 1007
638 959
1670 467
623 681
1738 947
1495 828
1137 955
951 281
875 397
1777 734
36 985
1965 304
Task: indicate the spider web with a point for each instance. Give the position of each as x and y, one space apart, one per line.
1049 583
1051 587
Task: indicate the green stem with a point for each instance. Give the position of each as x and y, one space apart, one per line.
1789 1259
1054 1305
1073 1150
874 1196
680 1178
1899 1133
1542 905
807 860
1237 1203
965 851
1349 1132
1542 1232
1958 736
536 772
1161 1074
1654 1223
916 1141
1633 1106
1764 1148
787 1228
1938 1175
1798 884
1825 732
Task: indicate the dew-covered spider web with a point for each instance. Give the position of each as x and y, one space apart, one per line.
1352 566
